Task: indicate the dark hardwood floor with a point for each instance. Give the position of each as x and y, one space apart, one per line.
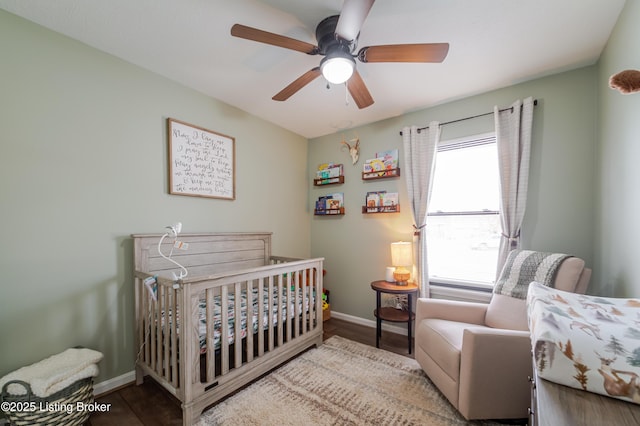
150 404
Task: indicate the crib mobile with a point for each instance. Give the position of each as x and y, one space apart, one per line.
173 231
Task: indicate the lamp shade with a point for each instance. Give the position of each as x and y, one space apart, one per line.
401 254
401 257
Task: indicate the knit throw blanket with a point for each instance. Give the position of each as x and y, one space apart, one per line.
524 266
55 373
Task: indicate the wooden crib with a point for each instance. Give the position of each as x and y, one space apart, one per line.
238 314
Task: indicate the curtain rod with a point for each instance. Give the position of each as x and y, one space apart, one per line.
535 102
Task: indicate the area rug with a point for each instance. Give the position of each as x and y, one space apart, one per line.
340 383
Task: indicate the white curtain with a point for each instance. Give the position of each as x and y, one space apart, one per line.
513 136
420 147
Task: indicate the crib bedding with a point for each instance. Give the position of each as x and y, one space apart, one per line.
270 304
586 342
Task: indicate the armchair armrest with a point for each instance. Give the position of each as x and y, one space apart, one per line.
494 369
452 310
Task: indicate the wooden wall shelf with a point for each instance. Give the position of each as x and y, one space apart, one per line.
328 181
329 212
381 209
381 174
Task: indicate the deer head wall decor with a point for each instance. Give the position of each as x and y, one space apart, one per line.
354 151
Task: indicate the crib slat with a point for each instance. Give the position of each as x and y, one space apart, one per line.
224 329
146 316
250 314
166 333
237 338
153 333
303 300
280 302
174 339
260 316
211 352
312 299
195 338
159 330
290 306
270 313
319 286
296 305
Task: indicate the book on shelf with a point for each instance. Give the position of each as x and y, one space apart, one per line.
339 199
381 202
384 160
389 158
333 204
324 166
374 198
321 204
330 202
389 199
373 165
329 170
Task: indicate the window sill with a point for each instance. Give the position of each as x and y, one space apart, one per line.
468 291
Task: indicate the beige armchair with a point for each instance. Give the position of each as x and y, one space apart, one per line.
478 354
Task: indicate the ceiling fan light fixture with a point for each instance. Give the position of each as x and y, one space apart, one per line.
337 67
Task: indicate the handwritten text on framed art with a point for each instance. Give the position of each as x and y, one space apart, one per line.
201 162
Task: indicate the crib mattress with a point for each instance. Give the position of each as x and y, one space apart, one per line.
270 304
586 342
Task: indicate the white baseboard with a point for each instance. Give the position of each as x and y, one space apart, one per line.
370 323
111 384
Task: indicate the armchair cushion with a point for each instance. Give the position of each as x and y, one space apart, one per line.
507 312
444 341
569 274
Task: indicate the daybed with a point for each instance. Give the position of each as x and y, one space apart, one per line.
181 323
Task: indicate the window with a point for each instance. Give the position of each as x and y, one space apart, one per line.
463 224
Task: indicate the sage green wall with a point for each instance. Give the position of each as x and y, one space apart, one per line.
83 164
619 152
560 203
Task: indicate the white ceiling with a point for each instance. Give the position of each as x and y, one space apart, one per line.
493 44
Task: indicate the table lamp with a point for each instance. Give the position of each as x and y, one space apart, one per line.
401 258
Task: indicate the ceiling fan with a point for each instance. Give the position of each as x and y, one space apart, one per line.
337 38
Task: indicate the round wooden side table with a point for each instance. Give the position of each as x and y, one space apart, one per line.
389 313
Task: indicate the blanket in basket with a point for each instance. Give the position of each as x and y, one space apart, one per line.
524 266
586 342
54 373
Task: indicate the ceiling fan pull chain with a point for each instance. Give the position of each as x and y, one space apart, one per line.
346 94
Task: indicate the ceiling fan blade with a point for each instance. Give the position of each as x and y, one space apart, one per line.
425 52
266 37
359 91
352 16
298 84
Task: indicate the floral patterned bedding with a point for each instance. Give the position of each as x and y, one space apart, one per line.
586 342
270 303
